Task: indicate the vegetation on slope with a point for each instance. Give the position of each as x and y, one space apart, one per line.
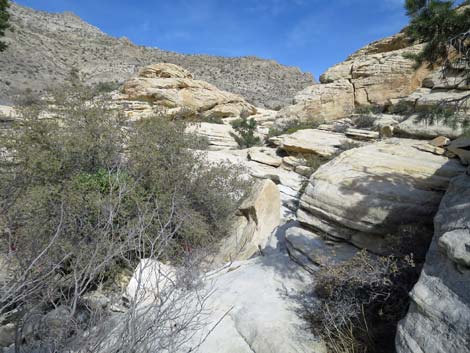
84 197
4 17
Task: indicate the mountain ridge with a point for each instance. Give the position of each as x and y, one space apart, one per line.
44 47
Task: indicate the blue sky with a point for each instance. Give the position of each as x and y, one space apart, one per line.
310 34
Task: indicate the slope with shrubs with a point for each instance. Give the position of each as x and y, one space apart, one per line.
84 197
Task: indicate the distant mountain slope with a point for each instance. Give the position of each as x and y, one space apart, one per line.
44 47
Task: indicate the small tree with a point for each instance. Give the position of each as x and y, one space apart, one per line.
246 129
4 17
445 29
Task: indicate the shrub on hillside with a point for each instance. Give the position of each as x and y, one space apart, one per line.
245 134
4 17
291 126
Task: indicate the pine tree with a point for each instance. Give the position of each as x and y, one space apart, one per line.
4 17
436 23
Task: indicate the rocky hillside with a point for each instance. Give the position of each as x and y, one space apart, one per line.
45 47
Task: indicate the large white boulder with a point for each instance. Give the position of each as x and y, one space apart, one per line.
312 141
366 194
438 320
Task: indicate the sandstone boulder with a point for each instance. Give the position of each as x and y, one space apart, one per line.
395 42
164 70
312 141
312 250
379 76
265 156
321 102
366 194
151 278
219 135
288 182
438 320
168 86
420 128
461 148
256 220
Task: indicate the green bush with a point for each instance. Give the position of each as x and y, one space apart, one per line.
291 126
85 196
4 17
245 132
435 23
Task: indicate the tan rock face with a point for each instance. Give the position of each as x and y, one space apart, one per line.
164 70
366 194
168 86
395 42
312 141
321 102
258 217
378 78
219 135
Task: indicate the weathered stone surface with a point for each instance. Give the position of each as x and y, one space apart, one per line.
419 128
249 309
440 141
150 279
260 316
438 320
378 78
461 148
288 182
256 220
308 248
395 42
7 335
164 70
219 135
7 112
367 193
169 86
321 102
264 155
451 79
312 141
427 147
360 134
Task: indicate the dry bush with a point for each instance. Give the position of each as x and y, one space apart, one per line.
355 305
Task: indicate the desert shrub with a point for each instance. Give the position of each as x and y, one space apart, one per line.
444 113
106 87
356 305
85 197
4 17
368 109
364 121
348 145
291 126
245 134
402 108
